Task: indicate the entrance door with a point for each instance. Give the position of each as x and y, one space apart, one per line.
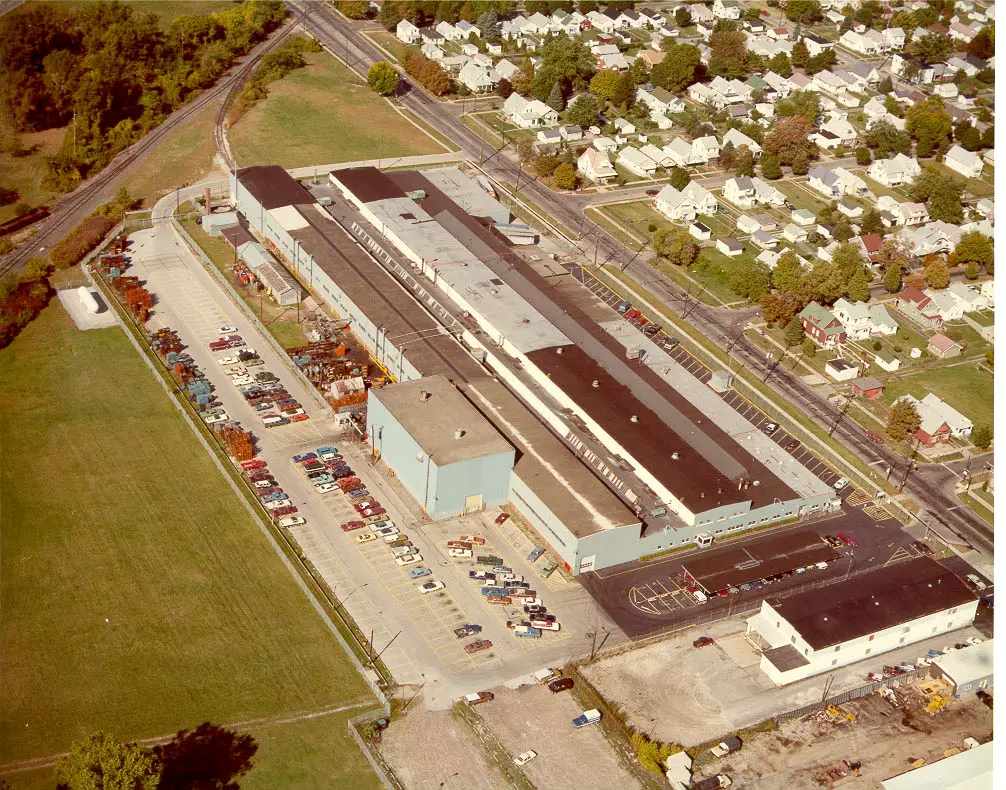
473 503
587 563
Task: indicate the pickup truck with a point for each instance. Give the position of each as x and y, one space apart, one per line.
546 570
713 783
535 553
527 631
479 697
459 553
586 718
546 675
467 630
545 625
488 559
726 746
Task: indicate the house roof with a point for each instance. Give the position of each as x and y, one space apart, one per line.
872 242
867 383
872 602
820 316
943 343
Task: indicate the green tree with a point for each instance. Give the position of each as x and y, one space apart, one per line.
809 348
640 72
804 12
605 84
974 247
902 420
941 193
981 436
971 270
525 149
745 164
863 156
805 104
652 754
780 64
929 123
382 78
788 275
679 67
820 62
886 85
682 16
770 168
969 137
390 15
679 178
793 333
892 278
209 757
544 166
859 286
504 88
555 98
354 10
675 246
570 60
801 164
887 140
448 11
936 272
799 56
583 111
933 48
564 176
543 82
489 25
872 223
728 54
99 762
983 44
749 279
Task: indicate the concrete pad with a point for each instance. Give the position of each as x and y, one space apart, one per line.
740 651
103 319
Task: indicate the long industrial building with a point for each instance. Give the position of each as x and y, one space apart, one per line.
434 290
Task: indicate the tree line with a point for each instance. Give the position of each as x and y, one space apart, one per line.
110 73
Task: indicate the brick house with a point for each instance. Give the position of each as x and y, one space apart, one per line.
822 326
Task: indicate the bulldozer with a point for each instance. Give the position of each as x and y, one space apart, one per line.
836 713
936 704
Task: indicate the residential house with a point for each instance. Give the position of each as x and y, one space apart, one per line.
701 93
962 33
660 101
834 132
923 240
432 52
836 183
603 22
730 247
917 306
707 148
407 32
635 161
850 208
816 44
430 36
970 298
950 309
941 422
630 18
595 166
613 61
764 240
867 387
967 163
871 244
960 64
477 78
701 14
794 234
449 31
681 153
903 213
986 207
651 57
803 217
988 290
886 360
624 127
571 132
863 43
862 321
829 82
727 9
652 17
505 70
737 138
822 326
841 369
549 137
529 114
538 25
605 144
657 155
924 75
897 170
466 28
894 39
687 203
781 85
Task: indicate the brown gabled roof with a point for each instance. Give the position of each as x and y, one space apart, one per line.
915 296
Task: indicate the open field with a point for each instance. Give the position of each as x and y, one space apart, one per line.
963 386
320 114
185 156
138 596
24 173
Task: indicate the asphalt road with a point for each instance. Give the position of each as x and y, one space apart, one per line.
77 205
934 490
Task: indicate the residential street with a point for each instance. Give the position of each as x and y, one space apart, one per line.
721 326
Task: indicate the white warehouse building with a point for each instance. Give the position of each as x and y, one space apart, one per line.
838 624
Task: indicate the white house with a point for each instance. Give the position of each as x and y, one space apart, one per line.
766 194
861 43
949 308
635 161
505 70
449 31
701 13
466 29
897 170
730 247
936 413
834 132
738 138
529 114
832 83
624 127
657 155
970 298
962 33
794 234
740 192
862 321
780 84
686 204
707 148
660 101
967 163
477 78
859 618
816 44
727 9
894 38
595 166
407 32
681 153
600 21
835 183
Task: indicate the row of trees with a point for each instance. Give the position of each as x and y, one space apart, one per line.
428 73
431 12
112 73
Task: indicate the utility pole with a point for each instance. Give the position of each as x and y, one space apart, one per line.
406 705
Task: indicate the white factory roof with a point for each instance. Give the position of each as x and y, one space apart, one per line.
968 770
968 664
289 218
468 194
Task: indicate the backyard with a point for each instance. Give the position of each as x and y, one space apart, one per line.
321 114
964 386
138 595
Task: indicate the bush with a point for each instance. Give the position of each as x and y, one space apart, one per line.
652 754
81 241
877 345
651 227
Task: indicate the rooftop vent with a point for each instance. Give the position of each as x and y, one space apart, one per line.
425 396
633 418
756 483
595 384
558 350
458 434
674 456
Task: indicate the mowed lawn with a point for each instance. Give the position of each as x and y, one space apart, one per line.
964 387
138 597
24 173
320 114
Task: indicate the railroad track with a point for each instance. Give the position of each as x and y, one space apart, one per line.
86 197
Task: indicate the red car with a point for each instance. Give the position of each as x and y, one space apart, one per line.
374 511
847 540
289 510
348 481
300 417
349 526
253 464
703 641
366 503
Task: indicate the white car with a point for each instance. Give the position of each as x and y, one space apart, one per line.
410 560
215 418
459 553
327 456
325 488
278 504
292 521
264 483
525 758
384 531
226 330
242 381
429 587
227 361
404 551
841 483
237 371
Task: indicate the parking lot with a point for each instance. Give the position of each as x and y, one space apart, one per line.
531 717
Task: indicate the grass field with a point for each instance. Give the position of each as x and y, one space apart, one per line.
183 158
321 114
138 597
24 173
964 387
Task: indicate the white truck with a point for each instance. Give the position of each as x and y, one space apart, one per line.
546 675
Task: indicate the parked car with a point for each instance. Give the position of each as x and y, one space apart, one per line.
703 641
459 553
373 511
769 428
479 697
383 532
429 587
478 540
285 511
466 630
226 330
364 505
848 540
592 716
841 483
478 646
278 503
366 537
535 553
275 496
326 453
833 541
326 488
292 521
525 757
349 526
502 517
227 361
299 459
562 684
412 559
419 573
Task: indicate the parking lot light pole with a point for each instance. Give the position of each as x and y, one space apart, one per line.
339 603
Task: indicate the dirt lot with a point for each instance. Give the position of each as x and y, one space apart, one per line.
434 749
883 739
531 717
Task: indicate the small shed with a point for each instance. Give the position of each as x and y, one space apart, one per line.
280 284
887 361
212 223
868 387
699 231
967 670
841 369
730 247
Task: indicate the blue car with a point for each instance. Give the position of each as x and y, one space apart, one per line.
274 496
536 552
419 573
299 459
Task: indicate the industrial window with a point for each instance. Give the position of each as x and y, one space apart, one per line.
952 611
868 651
901 641
871 638
837 648
834 661
906 629
793 639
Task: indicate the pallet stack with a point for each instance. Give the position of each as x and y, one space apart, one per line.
239 443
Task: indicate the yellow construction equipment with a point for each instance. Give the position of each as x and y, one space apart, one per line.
835 712
937 703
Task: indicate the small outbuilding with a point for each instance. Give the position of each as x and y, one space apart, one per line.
966 670
841 369
868 387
